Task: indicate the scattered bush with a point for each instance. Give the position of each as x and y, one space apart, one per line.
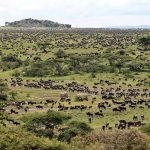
14 138
81 98
60 54
75 128
82 126
146 129
45 133
112 140
43 124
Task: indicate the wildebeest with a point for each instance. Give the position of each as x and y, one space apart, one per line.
100 114
90 114
116 109
39 107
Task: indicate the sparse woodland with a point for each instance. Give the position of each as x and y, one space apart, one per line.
74 89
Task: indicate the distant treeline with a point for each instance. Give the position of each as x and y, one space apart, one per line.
30 23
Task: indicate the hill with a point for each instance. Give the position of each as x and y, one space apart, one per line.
34 23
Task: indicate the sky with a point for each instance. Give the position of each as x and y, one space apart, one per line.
79 13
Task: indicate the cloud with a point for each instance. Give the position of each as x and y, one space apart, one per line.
77 12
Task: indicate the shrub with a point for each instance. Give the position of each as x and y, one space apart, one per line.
60 54
82 126
11 58
80 98
146 129
68 134
75 128
93 75
111 140
36 72
16 73
56 117
42 124
3 91
10 62
122 52
45 133
136 67
144 42
15 138
3 97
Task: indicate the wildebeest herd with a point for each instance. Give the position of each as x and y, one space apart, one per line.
92 102
120 102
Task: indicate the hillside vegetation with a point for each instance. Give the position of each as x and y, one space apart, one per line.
34 23
77 89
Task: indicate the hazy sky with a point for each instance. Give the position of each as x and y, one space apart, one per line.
79 13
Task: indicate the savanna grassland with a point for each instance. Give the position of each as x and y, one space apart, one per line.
75 89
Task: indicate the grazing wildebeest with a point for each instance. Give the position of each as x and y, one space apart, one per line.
142 117
16 123
100 114
101 106
39 107
135 118
103 127
90 119
64 95
13 111
90 114
2 109
116 110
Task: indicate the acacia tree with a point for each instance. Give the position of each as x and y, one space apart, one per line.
74 64
60 53
145 42
3 91
116 62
